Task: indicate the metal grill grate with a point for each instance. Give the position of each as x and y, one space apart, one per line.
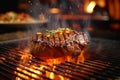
11 67
90 70
10 61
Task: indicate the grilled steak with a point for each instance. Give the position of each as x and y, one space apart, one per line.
58 43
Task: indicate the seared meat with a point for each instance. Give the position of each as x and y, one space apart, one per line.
58 43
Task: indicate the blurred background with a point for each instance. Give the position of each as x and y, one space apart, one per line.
23 18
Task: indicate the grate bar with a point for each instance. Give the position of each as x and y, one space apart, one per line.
98 62
72 74
3 74
95 69
8 69
85 66
23 67
7 65
20 52
98 73
14 61
68 76
80 70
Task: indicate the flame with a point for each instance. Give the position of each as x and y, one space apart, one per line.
25 57
52 75
61 77
57 77
81 57
91 6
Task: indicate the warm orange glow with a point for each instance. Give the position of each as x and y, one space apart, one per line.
81 57
54 10
61 77
101 3
36 70
28 73
41 16
52 75
90 7
21 75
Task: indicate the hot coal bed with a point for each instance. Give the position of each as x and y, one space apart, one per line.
102 62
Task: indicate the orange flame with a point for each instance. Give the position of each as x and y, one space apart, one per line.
90 7
35 69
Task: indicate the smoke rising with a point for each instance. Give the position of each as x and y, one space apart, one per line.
73 7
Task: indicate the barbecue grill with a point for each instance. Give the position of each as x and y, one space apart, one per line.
102 62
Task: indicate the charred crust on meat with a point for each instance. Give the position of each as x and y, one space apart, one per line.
58 43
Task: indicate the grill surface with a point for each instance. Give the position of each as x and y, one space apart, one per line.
99 64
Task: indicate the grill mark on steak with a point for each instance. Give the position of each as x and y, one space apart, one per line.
69 41
58 44
65 39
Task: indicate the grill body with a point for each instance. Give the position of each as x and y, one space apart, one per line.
102 62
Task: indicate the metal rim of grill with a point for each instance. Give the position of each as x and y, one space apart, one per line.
92 69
